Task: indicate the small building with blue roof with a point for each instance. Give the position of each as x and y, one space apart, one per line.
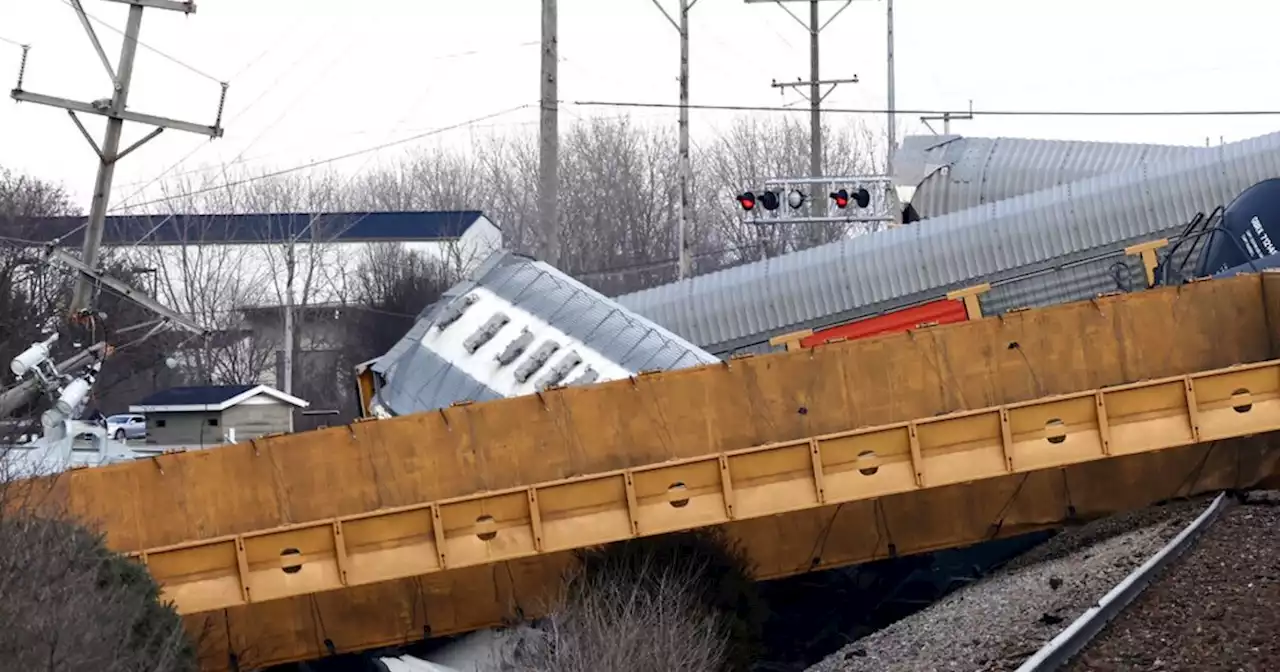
208 415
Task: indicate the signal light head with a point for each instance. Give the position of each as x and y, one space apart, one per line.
769 200
795 199
747 201
862 197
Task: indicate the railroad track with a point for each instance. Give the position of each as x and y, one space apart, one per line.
1192 603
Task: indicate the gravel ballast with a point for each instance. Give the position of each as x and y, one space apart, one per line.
1216 608
997 623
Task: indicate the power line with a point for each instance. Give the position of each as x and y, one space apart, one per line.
332 159
239 158
990 113
9 41
142 44
125 202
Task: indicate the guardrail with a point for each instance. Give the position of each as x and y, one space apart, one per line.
714 489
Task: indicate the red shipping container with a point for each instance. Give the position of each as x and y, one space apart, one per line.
942 311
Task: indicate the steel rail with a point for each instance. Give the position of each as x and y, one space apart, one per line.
1075 637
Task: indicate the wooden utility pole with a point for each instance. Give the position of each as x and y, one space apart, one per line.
685 267
114 109
549 141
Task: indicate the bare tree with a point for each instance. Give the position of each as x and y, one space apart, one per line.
618 198
202 275
390 286
31 294
677 602
69 602
753 150
423 179
653 624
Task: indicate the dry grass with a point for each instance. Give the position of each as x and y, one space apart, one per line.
677 602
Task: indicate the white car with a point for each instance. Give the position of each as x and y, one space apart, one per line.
127 426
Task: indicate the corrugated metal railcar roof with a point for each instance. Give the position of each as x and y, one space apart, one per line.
455 351
951 173
745 305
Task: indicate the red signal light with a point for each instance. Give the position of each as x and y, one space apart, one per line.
842 197
747 201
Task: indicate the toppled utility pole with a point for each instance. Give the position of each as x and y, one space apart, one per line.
54 255
114 109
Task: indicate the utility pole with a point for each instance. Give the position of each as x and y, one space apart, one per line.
686 167
815 95
892 105
290 265
116 112
549 140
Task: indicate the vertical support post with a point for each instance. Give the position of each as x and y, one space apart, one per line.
817 205
684 267
791 341
972 308
892 105
549 140
1147 253
290 264
107 158
686 169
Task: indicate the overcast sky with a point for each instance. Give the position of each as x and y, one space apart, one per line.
316 78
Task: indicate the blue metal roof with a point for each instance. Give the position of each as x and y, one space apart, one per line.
251 228
201 395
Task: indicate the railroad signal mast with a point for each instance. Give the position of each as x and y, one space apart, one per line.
847 200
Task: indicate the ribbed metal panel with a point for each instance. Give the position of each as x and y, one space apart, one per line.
952 173
510 296
745 305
